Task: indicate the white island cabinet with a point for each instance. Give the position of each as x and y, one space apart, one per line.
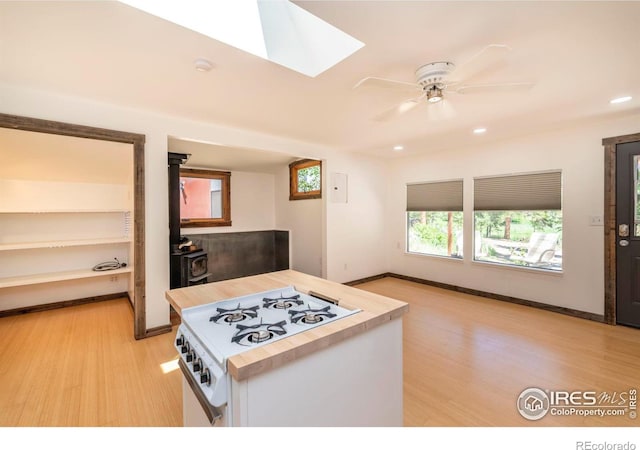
357 382
345 373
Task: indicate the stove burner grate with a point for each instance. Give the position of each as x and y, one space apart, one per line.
256 337
281 302
255 334
235 314
310 315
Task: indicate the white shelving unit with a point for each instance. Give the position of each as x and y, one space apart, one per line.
60 244
62 211
66 205
30 251
51 277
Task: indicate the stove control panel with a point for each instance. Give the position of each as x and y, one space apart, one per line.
204 370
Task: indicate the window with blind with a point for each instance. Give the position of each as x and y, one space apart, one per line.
518 220
434 218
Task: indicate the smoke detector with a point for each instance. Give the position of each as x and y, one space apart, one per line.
203 65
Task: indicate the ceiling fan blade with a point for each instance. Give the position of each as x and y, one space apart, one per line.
489 56
399 110
492 87
386 84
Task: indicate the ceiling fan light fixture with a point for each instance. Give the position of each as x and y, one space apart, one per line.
434 95
434 78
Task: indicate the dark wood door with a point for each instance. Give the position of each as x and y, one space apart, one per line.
628 234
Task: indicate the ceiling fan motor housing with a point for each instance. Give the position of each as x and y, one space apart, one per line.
434 74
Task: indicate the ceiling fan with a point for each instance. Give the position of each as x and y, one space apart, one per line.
434 80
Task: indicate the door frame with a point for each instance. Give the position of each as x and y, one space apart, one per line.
610 220
137 140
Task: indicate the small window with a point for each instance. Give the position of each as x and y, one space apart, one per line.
434 218
518 220
305 178
205 198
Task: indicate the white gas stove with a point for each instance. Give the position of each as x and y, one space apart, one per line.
209 334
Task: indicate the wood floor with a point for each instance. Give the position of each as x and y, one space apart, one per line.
466 360
81 366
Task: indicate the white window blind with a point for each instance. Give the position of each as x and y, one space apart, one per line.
435 196
523 192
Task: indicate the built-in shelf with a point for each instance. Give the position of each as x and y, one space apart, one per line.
63 211
40 278
60 244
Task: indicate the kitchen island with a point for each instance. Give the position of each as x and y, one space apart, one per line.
347 372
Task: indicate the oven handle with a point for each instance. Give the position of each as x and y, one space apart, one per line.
211 411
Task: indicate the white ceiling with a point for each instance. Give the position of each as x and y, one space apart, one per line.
579 54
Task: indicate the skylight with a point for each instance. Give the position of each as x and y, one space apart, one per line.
278 31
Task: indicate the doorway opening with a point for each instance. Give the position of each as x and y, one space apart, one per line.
138 226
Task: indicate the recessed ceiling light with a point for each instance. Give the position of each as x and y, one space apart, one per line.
479 130
397 148
203 65
621 99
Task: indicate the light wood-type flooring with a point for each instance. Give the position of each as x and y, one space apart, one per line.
466 360
81 366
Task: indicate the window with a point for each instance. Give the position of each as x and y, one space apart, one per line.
518 220
434 218
205 198
305 179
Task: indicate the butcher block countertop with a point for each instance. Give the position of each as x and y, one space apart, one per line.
375 310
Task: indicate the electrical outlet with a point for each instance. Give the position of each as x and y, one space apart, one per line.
114 278
345 266
398 245
596 221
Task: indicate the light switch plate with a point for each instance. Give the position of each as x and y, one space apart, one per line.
596 221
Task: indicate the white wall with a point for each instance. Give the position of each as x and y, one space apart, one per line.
252 204
359 238
578 152
305 221
350 236
353 231
30 195
362 233
356 230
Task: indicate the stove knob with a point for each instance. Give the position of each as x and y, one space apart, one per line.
205 377
185 348
197 366
180 340
191 355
